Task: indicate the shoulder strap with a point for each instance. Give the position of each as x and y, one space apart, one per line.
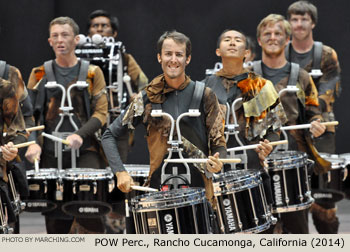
84 68
257 67
49 71
83 72
287 51
2 69
294 74
197 95
317 55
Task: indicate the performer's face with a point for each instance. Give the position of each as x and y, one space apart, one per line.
173 59
232 45
302 26
62 39
102 25
273 39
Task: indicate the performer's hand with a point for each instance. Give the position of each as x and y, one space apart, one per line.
124 181
133 96
317 129
263 149
75 141
33 152
8 151
214 164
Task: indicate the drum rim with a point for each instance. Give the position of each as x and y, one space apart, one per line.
69 174
293 208
251 179
197 195
43 173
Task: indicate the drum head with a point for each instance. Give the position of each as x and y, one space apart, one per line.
327 195
88 174
39 205
86 209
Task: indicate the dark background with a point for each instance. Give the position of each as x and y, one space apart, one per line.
24 33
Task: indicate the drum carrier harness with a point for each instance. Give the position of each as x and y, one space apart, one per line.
174 178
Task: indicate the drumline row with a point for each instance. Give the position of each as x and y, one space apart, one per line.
244 203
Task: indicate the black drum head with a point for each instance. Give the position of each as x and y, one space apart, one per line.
327 195
86 209
39 205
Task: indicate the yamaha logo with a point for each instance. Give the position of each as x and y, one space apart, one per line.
168 218
276 177
226 202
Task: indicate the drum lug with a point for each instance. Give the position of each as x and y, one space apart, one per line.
345 174
95 187
329 177
74 189
111 186
45 187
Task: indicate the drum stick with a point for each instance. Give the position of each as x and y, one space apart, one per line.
54 138
36 165
41 127
201 160
22 145
308 125
254 146
143 188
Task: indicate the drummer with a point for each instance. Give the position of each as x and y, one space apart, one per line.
234 81
273 34
101 22
16 112
173 91
89 113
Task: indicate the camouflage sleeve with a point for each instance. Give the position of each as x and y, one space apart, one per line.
214 123
138 79
312 108
15 119
99 96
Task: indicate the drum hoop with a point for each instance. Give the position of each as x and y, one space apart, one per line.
196 196
45 173
155 207
88 174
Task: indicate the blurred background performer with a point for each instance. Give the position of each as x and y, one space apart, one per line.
321 62
89 108
15 114
102 23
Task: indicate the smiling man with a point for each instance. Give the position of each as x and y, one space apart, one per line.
172 91
273 34
89 113
321 62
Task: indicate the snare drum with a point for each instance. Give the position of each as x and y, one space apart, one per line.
45 186
242 205
179 211
86 190
139 174
289 181
328 187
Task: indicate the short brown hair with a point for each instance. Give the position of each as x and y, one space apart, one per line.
273 19
178 37
301 8
63 21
